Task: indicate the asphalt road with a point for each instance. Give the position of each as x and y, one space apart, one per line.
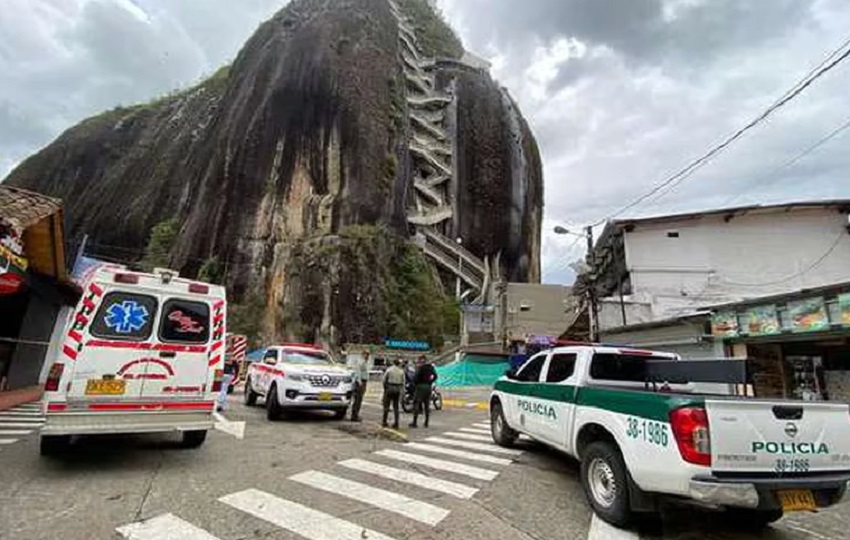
313 477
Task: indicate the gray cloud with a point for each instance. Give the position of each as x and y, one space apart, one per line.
623 93
64 60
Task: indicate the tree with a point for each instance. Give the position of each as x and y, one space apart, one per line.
162 240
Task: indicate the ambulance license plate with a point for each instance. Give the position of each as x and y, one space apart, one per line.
95 387
325 396
795 500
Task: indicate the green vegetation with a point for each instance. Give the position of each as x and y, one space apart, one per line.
246 316
435 36
212 271
162 240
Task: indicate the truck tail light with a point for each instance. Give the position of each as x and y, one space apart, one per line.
53 377
219 376
690 427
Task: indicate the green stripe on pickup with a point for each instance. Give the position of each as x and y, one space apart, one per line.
653 406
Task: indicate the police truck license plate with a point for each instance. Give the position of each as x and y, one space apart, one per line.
104 387
796 499
325 396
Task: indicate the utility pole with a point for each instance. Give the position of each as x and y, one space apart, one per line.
593 309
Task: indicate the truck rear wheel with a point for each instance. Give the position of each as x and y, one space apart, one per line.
194 439
54 445
502 434
273 409
250 395
606 483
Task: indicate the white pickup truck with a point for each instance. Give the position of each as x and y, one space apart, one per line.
640 432
299 376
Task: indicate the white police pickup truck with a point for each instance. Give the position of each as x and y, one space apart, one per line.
299 376
633 420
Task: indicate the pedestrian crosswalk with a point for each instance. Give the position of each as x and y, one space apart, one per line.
436 465
18 422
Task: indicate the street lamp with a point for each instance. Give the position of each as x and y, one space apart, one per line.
459 241
591 273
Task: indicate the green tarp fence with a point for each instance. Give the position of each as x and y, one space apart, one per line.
473 370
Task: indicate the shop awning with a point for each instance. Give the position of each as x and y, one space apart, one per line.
40 219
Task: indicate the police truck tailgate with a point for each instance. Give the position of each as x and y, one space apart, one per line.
782 438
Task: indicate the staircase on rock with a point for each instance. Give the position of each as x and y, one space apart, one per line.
431 151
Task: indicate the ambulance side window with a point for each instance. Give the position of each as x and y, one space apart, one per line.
125 316
184 321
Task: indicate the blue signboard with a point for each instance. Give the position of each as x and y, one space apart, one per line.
407 345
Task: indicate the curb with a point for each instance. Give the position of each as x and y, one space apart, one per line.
457 403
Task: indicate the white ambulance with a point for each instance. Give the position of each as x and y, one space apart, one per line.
140 353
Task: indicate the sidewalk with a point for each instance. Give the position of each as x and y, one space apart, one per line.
468 397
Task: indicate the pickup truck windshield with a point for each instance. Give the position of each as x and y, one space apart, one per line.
308 358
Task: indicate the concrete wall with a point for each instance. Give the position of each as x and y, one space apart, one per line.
756 254
543 310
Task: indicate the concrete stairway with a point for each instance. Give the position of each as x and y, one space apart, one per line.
430 148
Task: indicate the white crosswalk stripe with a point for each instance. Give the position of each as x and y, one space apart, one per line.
8 441
19 425
380 498
14 432
475 446
483 425
299 519
440 464
463 454
455 489
482 431
164 527
469 436
14 418
29 413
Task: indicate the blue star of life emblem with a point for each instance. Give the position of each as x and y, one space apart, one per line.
126 317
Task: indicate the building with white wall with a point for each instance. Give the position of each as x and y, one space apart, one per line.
655 268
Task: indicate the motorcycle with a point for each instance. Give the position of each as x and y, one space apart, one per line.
407 399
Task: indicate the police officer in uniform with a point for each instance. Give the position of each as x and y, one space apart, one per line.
393 382
424 377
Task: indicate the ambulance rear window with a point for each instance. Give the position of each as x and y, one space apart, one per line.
125 316
184 321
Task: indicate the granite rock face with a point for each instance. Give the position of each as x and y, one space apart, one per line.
308 134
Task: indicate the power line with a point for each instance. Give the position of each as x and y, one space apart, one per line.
768 175
812 266
683 174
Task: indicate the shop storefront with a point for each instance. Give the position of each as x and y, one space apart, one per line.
798 344
34 285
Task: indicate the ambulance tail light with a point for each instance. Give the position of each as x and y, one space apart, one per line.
131 279
53 377
217 380
690 427
199 288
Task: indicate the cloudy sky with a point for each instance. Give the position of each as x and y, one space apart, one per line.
620 93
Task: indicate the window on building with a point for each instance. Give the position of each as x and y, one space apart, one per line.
561 368
530 372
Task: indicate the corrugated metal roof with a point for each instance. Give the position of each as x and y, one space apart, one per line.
24 208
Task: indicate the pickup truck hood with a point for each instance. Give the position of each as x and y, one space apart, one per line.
778 437
300 369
